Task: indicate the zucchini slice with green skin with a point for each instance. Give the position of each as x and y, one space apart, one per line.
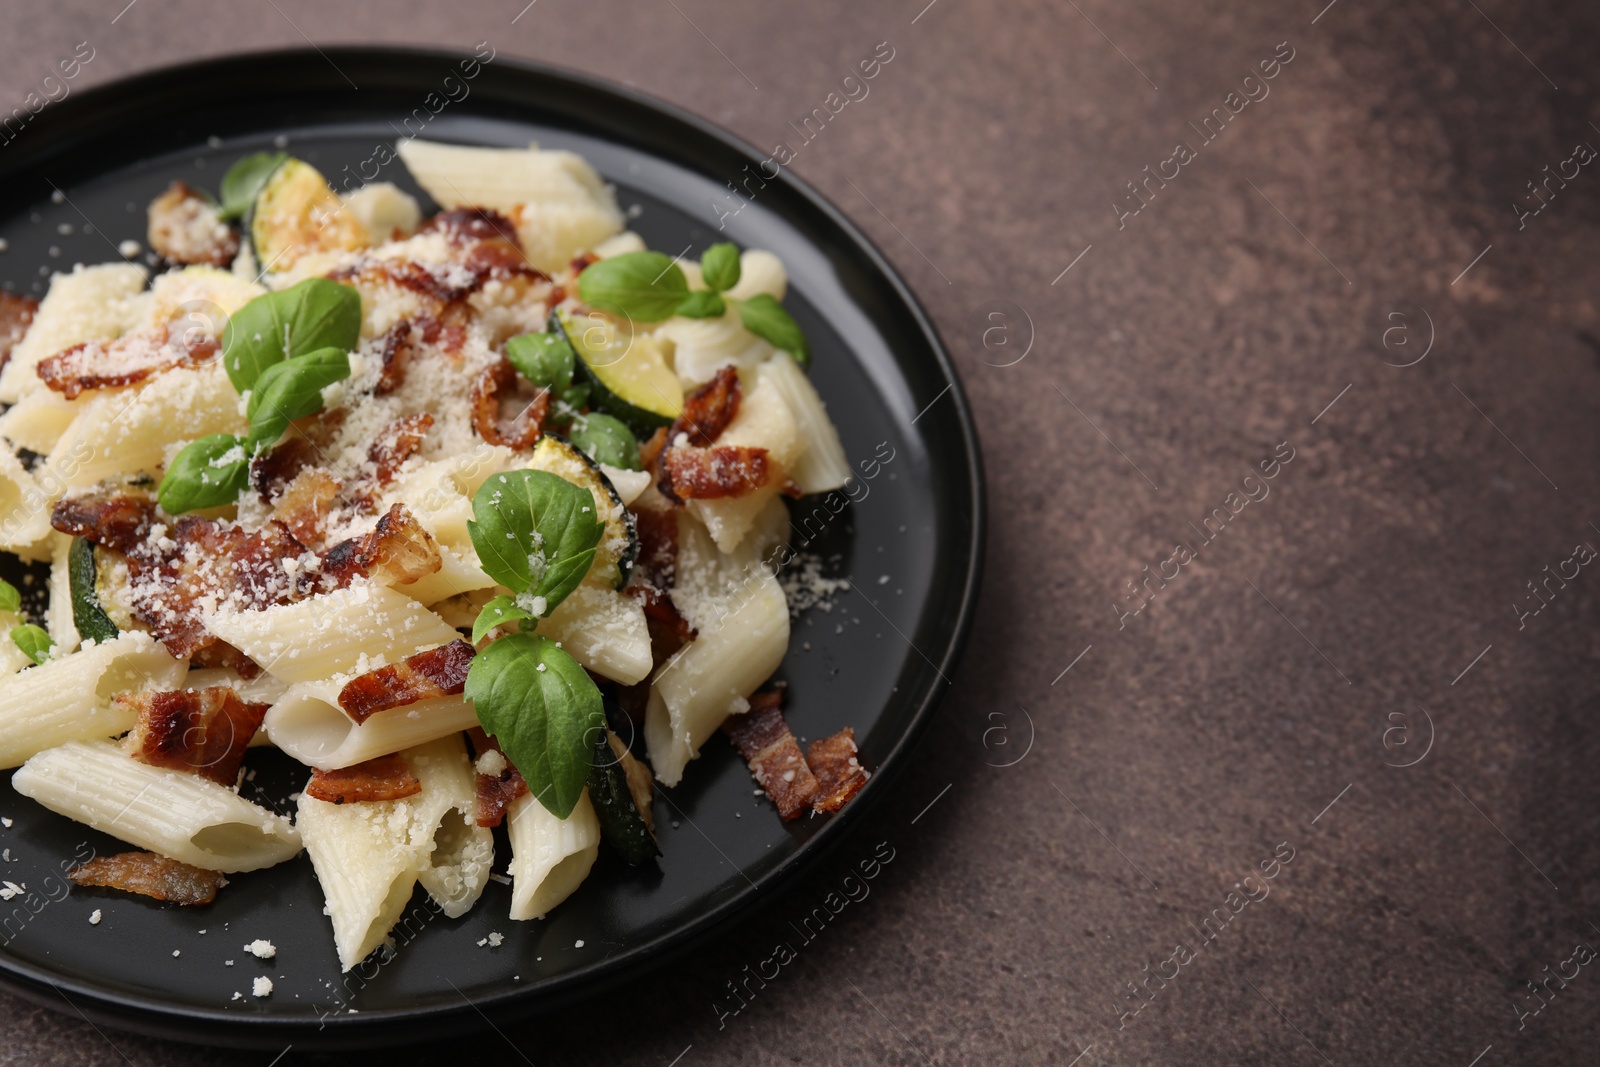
297 213
622 789
627 374
87 614
619 545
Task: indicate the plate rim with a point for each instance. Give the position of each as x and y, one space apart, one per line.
156 1017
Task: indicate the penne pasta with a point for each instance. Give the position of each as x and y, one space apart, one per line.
90 304
603 630
175 813
550 857
308 724
334 633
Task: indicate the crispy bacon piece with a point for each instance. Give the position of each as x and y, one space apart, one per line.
207 563
112 520
205 731
650 448
494 792
762 737
493 389
305 504
270 471
150 875
383 778
712 473
439 672
185 228
489 239
16 315
840 775
654 572
398 550
709 409
396 443
130 358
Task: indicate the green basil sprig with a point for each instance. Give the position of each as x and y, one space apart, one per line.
245 179
312 315
36 644
536 534
10 598
284 349
607 440
649 287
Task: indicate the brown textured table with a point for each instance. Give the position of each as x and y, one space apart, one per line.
1357 612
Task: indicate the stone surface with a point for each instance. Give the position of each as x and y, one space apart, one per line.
1259 702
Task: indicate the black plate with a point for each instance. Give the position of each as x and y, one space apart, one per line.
911 543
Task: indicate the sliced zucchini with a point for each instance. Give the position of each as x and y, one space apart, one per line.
297 213
613 559
626 371
622 789
87 614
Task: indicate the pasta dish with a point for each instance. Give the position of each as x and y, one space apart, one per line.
478 516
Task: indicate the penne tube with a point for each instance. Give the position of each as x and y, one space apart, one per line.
309 725
90 304
174 813
605 631
456 869
550 857
333 633
69 698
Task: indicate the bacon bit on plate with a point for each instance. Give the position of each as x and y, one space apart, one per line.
712 473
396 443
496 388
709 409
397 551
202 562
117 521
270 471
205 731
16 315
495 791
128 359
185 228
438 672
762 737
305 504
384 778
150 875
840 775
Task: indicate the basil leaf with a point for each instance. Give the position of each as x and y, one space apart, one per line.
702 304
10 598
535 533
36 645
208 473
544 359
720 267
245 179
303 318
643 286
292 390
544 710
498 612
606 440
765 317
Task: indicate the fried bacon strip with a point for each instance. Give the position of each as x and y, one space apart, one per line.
205 731
130 358
840 775
490 240
16 315
396 443
762 737
270 471
709 409
118 521
496 387
495 792
400 344
305 504
654 571
437 672
185 228
150 875
713 473
396 551
383 778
